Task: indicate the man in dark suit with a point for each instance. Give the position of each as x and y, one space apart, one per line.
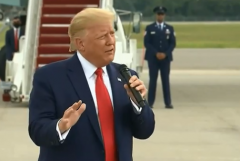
159 41
12 38
79 109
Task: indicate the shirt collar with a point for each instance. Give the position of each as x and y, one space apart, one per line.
16 28
160 24
88 68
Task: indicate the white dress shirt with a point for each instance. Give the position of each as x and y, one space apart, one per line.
89 71
16 30
160 25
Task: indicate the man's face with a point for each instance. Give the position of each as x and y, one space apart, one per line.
160 16
99 44
16 22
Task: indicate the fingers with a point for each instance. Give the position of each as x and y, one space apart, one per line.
142 90
140 87
136 82
76 105
81 109
132 79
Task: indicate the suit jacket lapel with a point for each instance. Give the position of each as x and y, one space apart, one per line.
80 84
21 32
12 35
117 89
116 83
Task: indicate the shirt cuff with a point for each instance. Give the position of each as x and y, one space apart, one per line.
136 109
63 136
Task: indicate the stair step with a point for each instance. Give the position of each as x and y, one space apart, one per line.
56 20
53 30
53 35
67 2
56 49
47 60
50 39
61 9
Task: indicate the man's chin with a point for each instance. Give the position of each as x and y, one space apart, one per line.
110 58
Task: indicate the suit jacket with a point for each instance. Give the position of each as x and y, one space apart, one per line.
2 63
10 42
55 88
159 40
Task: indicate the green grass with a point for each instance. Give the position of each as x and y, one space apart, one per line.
194 35
2 37
202 35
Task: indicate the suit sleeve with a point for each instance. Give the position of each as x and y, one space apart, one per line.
42 113
9 51
172 42
147 42
143 123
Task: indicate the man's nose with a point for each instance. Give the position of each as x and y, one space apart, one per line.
110 40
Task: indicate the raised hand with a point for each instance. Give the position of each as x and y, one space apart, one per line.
71 116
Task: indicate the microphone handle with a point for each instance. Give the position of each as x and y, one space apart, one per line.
136 94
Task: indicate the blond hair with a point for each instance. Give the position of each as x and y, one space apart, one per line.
84 19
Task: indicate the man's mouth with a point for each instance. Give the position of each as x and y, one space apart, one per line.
109 50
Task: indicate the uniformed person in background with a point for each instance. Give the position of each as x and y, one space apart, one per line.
159 41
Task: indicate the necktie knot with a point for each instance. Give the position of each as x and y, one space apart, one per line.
160 26
99 71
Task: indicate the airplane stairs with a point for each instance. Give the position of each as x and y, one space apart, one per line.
53 43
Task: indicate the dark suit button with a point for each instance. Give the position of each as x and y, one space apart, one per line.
103 151
52 143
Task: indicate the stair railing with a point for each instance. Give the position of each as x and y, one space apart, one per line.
31 44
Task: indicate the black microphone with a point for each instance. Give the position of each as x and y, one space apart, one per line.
126 74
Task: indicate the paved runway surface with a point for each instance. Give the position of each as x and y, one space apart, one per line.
204 126
204 59
191 22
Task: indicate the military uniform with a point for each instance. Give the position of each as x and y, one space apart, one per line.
159 38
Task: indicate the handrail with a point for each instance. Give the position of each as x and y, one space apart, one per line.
21 43
29 49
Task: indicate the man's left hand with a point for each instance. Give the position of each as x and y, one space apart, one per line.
161 56
138 85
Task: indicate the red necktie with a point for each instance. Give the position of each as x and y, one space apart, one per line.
106 117
16 39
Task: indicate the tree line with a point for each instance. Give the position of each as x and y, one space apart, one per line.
186 10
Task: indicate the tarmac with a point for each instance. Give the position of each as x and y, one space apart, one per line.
204 59
203 126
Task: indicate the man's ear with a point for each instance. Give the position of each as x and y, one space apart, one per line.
80 44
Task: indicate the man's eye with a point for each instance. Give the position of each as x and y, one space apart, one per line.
101 37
